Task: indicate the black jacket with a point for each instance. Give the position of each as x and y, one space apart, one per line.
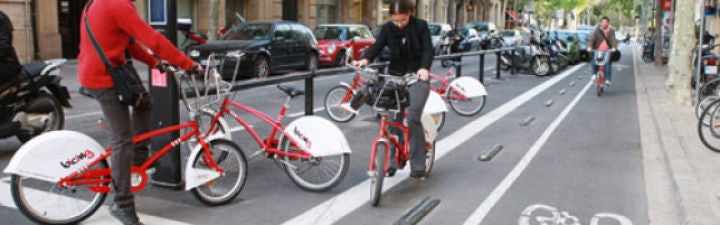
7 52
596 38
416 52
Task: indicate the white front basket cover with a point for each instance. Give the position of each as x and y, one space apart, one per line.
434 104
54 155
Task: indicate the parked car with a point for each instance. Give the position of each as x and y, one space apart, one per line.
334 41
482 28
583 39
438 30
269 46
511 37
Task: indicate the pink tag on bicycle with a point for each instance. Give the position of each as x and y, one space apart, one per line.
159 79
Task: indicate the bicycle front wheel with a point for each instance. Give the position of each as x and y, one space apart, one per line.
225 188
708 132
378 174
49 203
333 99
464 106
316 174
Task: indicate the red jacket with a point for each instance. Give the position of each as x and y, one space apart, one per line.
114 22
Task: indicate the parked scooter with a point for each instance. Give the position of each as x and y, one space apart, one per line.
452 45
533 58
648 53
37 92
492 41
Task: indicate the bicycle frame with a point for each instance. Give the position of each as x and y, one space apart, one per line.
401 152
444 83
84 176
270 144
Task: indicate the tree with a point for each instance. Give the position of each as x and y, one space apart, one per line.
213 27
683 41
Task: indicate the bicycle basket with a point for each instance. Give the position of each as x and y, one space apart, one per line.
392 96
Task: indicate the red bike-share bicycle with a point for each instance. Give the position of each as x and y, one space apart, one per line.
65 186
312 150
600 59
392 95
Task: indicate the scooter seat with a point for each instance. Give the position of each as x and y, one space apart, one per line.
34 68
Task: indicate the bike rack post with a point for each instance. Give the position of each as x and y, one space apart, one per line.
164 91
309 89
497 65
458 66
482 68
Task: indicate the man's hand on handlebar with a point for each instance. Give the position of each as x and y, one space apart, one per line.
360 63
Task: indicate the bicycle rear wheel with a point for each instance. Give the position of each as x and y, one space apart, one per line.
48 203
332 102
466 106
702 106
378 174
708 132
317 174
225 188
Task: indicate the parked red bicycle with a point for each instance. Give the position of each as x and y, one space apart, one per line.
65 187
312 150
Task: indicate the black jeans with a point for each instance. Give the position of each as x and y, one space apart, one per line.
419 93
123 127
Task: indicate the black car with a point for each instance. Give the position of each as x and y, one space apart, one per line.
268 46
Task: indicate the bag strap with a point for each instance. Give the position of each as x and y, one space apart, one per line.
602 33
96 45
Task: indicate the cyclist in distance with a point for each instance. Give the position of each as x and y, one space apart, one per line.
603 39
411 51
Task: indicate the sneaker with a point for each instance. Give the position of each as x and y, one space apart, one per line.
349 108
21 118
607 83
126 215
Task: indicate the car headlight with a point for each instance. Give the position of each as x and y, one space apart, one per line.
331 49
235 54
194 53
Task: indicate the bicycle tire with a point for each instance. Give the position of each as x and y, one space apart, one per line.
702 105
476 104
702 128
337 175
709 88
429 159
331 103
378 173
19 194
209 193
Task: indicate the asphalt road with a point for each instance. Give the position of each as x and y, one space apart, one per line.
580 155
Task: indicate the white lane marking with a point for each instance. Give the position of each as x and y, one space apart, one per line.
335 208
102 216
293 115
479 215
83 115
555 216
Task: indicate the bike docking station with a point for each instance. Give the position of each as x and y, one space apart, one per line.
166 106
481 61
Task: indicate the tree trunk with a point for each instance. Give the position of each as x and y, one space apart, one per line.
658 34
502 17
213 26
683 41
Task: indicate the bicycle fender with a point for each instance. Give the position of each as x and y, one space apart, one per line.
434 104
429 126
54 155
469 87
317 136
195 177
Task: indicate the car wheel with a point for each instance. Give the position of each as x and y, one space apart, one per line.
312 62
262 67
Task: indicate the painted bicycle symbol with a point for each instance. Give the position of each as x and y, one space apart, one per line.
539 214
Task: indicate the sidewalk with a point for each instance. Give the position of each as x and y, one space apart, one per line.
682 176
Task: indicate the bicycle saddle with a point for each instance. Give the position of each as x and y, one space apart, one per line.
290 90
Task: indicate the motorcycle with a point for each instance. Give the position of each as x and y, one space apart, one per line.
193 37
492 41
558 60
37 92
450 44
533 58
710 62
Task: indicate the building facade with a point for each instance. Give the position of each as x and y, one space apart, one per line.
46 29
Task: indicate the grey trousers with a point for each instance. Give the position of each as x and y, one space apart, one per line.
123 127
419 93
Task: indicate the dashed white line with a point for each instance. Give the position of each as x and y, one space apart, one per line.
479 214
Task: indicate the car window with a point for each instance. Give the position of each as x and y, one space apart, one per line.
303 34
328 33
361 32
283 30
249 32
435 30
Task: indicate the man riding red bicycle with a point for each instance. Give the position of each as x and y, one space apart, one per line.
603 39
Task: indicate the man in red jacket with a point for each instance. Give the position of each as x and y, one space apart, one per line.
114 23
